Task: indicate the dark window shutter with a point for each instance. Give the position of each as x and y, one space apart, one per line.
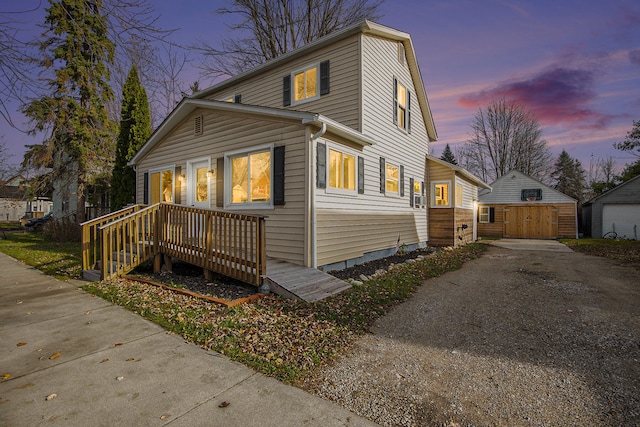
145 190
220 182
237 99
324 78
286 91
177 186
411 193
360 175
395 101
408 111
278 175
321 165
382 175
401 181
492 215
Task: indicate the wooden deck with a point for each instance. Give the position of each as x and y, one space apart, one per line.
295 281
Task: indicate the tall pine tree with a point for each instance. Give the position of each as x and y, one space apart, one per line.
77 50
135 128
569 176
447 155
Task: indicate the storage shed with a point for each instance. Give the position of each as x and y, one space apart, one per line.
452 197
617 210
520 207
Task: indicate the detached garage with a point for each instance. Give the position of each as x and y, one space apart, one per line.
616 211
520 207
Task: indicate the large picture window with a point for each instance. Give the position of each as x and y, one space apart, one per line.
342 170
250 178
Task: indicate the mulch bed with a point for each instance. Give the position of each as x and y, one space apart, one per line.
188 279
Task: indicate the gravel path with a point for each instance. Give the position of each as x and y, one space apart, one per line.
516 338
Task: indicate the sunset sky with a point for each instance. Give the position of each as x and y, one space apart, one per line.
575 64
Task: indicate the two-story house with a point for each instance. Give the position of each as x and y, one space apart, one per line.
329 141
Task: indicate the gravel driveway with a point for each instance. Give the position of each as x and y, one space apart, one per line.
515 338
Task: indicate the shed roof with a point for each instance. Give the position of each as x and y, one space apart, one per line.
507 189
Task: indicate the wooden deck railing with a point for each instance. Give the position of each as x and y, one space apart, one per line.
129 241
91 235
227 243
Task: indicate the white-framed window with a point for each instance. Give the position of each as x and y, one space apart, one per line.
305 84
233 99
440 194
248 178
401 106
418 199
459 195
483 215
161 185
392 179
342 170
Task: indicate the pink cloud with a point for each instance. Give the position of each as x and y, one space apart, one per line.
557 95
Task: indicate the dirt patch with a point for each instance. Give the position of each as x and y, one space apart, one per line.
515 338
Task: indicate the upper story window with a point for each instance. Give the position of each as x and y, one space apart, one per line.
342 170
401 106
306 84
233 99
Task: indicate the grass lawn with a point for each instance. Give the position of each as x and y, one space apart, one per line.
60 260
625 251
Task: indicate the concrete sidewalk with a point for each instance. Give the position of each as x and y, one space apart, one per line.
105 366
531 245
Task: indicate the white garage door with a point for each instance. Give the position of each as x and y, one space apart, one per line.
623 219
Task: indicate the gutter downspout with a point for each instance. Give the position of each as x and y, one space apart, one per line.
312 194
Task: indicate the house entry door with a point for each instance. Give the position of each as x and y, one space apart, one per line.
198 184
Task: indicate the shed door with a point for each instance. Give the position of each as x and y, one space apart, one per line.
623 219
531 222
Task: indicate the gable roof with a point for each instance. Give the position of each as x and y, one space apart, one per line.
612 190
462 171
188 105
364 27
510 185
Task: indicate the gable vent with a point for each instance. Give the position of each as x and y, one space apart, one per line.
197 125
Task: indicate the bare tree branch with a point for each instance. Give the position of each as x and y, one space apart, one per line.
267 29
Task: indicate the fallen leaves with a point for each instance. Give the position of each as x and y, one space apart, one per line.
224 404
51 396
21 344
6 376
55 355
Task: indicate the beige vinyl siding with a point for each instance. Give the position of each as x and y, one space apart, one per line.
348 234
507 189
469 193
346 225
224 133
342 103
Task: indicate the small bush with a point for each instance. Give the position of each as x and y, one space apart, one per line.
62 230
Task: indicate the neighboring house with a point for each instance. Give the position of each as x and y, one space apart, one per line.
521 207
15 204
327 141
452 198
617 210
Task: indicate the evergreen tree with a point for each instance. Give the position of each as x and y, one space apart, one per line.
77 50
447 155
569 176
135 128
